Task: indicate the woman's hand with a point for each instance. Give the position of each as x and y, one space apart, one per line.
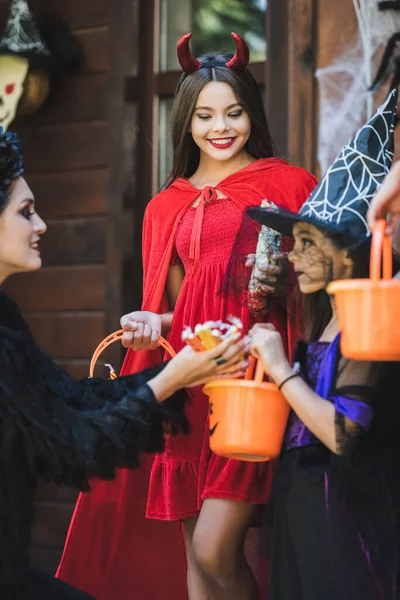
190 368
141 330
266 343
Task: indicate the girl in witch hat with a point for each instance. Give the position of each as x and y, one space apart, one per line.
336 501
223 163
53 427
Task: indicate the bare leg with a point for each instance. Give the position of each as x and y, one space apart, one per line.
197 587
218 544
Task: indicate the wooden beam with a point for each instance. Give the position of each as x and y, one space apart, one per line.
302 89
277 86
144 107
123 53
148 23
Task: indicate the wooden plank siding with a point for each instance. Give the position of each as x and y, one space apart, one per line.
76 298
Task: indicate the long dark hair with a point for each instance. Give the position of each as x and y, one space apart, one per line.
317 308
186 154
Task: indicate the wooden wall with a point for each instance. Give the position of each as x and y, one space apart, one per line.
78 157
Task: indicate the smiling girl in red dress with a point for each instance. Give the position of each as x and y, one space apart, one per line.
223 163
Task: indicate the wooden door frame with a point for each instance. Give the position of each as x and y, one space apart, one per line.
292 88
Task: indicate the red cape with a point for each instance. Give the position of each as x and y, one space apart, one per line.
268 178
112 550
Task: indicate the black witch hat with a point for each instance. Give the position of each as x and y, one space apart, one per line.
48 44
21 36
340 202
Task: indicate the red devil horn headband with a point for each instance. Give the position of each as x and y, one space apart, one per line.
190 64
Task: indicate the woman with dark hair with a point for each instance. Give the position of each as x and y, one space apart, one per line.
336 499
223 163
55 428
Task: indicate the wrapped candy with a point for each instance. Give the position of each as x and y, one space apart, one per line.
113 374
211 333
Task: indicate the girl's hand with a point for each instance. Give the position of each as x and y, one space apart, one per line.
266 343
387 201
190 368
265 276
141 330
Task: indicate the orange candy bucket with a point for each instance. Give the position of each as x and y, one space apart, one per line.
117 335
368 310
248 417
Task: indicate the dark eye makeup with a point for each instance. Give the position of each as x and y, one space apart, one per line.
233 115
27 212
305 242
236 114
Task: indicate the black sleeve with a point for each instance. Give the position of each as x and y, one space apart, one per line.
353 397
68 429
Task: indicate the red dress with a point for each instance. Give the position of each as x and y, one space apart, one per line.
187 472
112 550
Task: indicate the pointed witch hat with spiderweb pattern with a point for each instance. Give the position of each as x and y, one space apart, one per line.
339 204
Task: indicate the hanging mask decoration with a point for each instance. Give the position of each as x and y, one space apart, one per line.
31 55
13 72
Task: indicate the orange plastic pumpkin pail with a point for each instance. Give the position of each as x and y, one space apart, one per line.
368 310
248 418
117 335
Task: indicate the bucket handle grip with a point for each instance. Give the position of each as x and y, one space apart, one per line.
259 372
258 367
381 247
117 335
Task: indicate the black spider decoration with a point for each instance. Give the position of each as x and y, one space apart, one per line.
212 431
390 64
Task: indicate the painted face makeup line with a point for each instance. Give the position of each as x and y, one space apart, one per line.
222 143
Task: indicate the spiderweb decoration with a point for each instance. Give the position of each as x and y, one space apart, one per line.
343 196
21 34
345 102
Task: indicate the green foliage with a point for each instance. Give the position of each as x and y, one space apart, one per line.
214 20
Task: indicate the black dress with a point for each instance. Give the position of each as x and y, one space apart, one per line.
336 517
57 429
